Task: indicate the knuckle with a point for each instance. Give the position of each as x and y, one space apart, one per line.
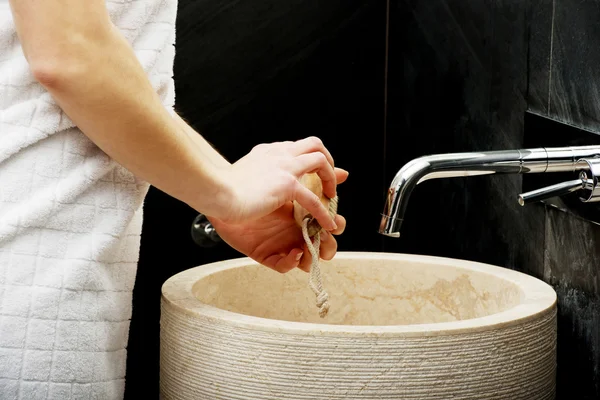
321 159
290 187
316 141
315 201
290 182
288 163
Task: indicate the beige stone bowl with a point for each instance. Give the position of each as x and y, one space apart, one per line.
399 327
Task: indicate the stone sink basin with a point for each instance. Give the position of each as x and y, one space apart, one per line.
400 327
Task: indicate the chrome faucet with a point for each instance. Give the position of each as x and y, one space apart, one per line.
582 159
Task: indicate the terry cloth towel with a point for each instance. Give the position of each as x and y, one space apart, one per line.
70 224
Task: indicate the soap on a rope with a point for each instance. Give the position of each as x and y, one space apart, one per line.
311 233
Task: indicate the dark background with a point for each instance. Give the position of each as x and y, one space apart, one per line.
382 83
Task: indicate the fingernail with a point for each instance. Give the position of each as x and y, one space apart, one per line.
334 226
299 256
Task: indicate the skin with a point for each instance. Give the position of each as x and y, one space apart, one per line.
91 71
279 231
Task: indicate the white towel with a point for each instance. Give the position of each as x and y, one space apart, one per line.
70 223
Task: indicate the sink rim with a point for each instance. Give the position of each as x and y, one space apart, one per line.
538 299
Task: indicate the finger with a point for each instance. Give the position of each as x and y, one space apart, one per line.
285 263
310 145
341 175
306 260
341 225
316 162
328 246
312 203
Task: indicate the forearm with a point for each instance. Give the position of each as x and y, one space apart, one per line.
202 144
98 81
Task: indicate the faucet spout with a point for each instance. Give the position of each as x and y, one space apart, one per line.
539 160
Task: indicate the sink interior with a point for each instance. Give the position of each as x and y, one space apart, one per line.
362 292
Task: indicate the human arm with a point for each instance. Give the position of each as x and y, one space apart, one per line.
199 141
93 74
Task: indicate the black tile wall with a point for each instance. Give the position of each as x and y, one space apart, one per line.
308 68
457 83
262 71
564 87
539 37
462 75
565 84
574 78
572 266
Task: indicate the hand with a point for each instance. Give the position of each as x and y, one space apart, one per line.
266 179
275 240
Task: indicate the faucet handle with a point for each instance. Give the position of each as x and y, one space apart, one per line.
560 189
203 233
589 186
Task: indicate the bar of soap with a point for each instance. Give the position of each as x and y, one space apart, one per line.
314 184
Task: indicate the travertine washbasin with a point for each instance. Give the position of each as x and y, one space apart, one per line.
399 327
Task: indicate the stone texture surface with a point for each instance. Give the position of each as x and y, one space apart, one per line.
400 327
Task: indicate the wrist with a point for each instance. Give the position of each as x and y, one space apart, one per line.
215 198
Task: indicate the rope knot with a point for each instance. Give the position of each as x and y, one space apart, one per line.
323 303
322 299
